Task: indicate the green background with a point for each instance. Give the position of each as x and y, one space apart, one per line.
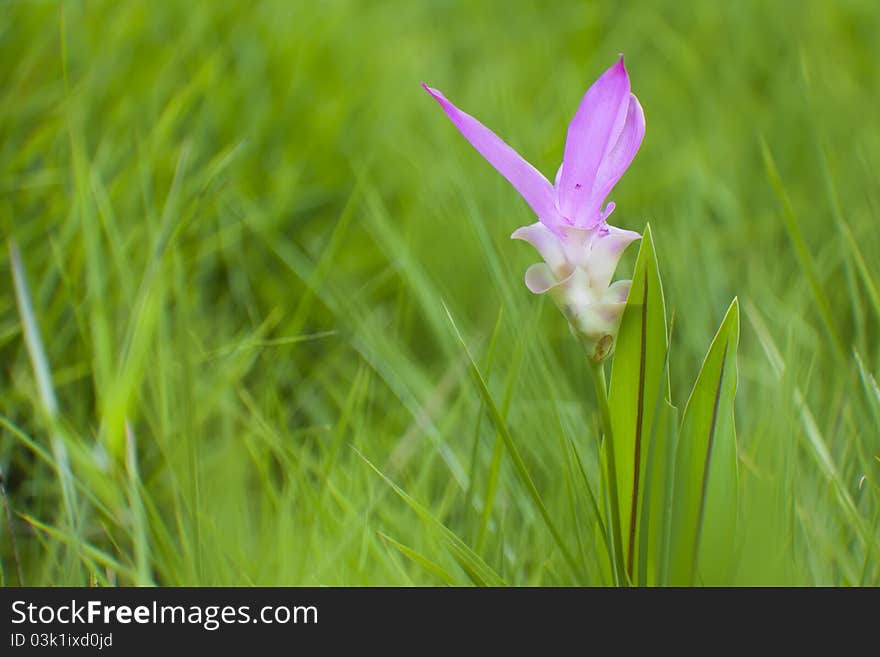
240 223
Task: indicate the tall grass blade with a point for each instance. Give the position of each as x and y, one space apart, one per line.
808 268
13 543
420 559
469 560
43 375
518 462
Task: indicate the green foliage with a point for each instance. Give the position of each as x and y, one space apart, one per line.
638 399
705 501
677 484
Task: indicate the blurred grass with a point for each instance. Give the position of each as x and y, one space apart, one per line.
240 225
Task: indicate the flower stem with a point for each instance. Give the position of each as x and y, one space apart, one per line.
605 415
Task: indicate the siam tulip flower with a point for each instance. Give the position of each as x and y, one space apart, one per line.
579 248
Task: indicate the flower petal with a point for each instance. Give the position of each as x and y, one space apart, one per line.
618 159
576 243
605 252
526 179
617 292
539 278
593 131
607 211
545 242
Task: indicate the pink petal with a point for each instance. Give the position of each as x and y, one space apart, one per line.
558 177
526 179
545 242
618 159
593 131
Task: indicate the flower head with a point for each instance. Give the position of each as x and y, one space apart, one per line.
580 249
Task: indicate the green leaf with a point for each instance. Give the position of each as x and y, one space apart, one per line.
639 386
705 498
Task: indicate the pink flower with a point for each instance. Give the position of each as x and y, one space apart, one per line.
580 249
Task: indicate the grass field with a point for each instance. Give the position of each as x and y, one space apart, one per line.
241 225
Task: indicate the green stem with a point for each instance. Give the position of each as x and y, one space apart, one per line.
605 415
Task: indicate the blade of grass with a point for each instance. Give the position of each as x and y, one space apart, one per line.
869 383
802 251
144 318
13 544
468 559
472 469
577 471
90 554
498 448
612 500
814 439
43 375
420 559
136 505
518 463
